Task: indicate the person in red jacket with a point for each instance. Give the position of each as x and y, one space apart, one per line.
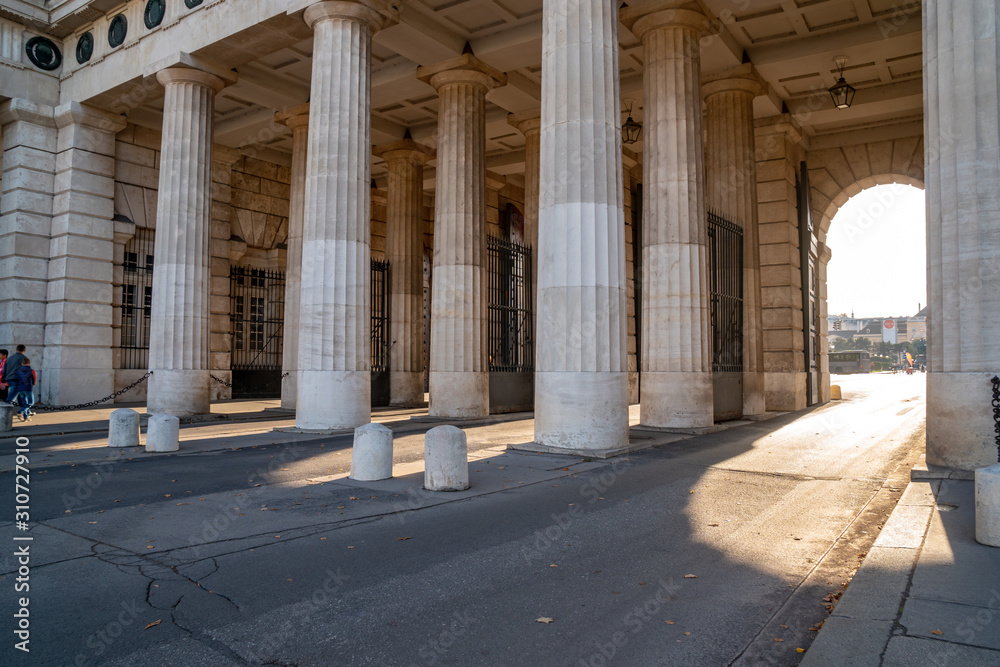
3 384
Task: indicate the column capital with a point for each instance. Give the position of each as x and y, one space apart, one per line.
295 118
74 113
225 155
526 122
25 110
404 149
466 68
374 14
643 18
743 78
184 68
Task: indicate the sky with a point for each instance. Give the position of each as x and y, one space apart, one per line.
878 241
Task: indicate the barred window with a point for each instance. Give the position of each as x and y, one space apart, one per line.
137 299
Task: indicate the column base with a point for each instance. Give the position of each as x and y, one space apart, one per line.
181 393
289 390
680 399
960 420
581 411
332 400
785 392
406 389
459 394
753 394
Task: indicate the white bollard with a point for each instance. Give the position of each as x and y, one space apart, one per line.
123 429
6 416
446 459
371 455
988 505
163 433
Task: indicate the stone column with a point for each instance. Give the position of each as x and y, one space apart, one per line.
29 161
676 372
581 383
731 185
220 338
179 322
530 125
404 248
334 369
962 135
459 375
78 313
297 120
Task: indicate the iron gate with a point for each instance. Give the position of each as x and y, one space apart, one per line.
511 348
725 248
137 299
380 331
256 317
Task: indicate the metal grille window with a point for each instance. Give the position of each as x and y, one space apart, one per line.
380 315
511 347
256 318
137 299
725 248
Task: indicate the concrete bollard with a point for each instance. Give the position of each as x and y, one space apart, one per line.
446 459
163 433
6 416
123 429
834 392
371 455
988 505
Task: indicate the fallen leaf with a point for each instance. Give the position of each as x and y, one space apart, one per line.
778 639
153 624
936 632
687 634
289 580
670 622
403 539
800 650
553 565
714 525
690 576
543 619
149 546
167 495
783 626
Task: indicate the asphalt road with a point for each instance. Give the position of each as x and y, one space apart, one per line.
706 551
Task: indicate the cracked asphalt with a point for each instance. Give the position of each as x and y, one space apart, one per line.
699 551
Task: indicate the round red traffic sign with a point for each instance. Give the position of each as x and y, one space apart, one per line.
889 324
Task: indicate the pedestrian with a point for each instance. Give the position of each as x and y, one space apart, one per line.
23 389
10 369
3 384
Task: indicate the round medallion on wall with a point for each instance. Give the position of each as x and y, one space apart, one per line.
153 15
84 47
117 30
191 4
43 53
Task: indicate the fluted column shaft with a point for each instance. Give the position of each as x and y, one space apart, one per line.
962 135
459 374
297 120
179 321
581 385
530 125
404 248
676 372
334 369
731 184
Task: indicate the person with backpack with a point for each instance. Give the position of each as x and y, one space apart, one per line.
22 390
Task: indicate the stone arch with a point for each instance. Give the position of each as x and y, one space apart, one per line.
837 174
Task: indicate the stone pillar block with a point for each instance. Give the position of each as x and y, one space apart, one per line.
6 416
123 429
988 505
371 456
446 459
163 433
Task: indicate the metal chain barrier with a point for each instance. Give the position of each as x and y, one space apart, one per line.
996 412
264 385
81 406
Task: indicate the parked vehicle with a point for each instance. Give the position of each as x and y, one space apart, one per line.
850 361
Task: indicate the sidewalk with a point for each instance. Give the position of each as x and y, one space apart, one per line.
927 593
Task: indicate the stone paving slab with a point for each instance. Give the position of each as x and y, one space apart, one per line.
910 651
906 527
849 642
883 580
960 623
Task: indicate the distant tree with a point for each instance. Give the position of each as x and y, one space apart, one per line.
919 346
862 344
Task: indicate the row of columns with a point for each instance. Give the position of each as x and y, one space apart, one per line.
573 172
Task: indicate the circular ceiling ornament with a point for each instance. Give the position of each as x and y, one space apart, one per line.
117 30
43 53
153 14
84 47
191 4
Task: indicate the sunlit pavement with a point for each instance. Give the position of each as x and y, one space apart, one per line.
702 551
